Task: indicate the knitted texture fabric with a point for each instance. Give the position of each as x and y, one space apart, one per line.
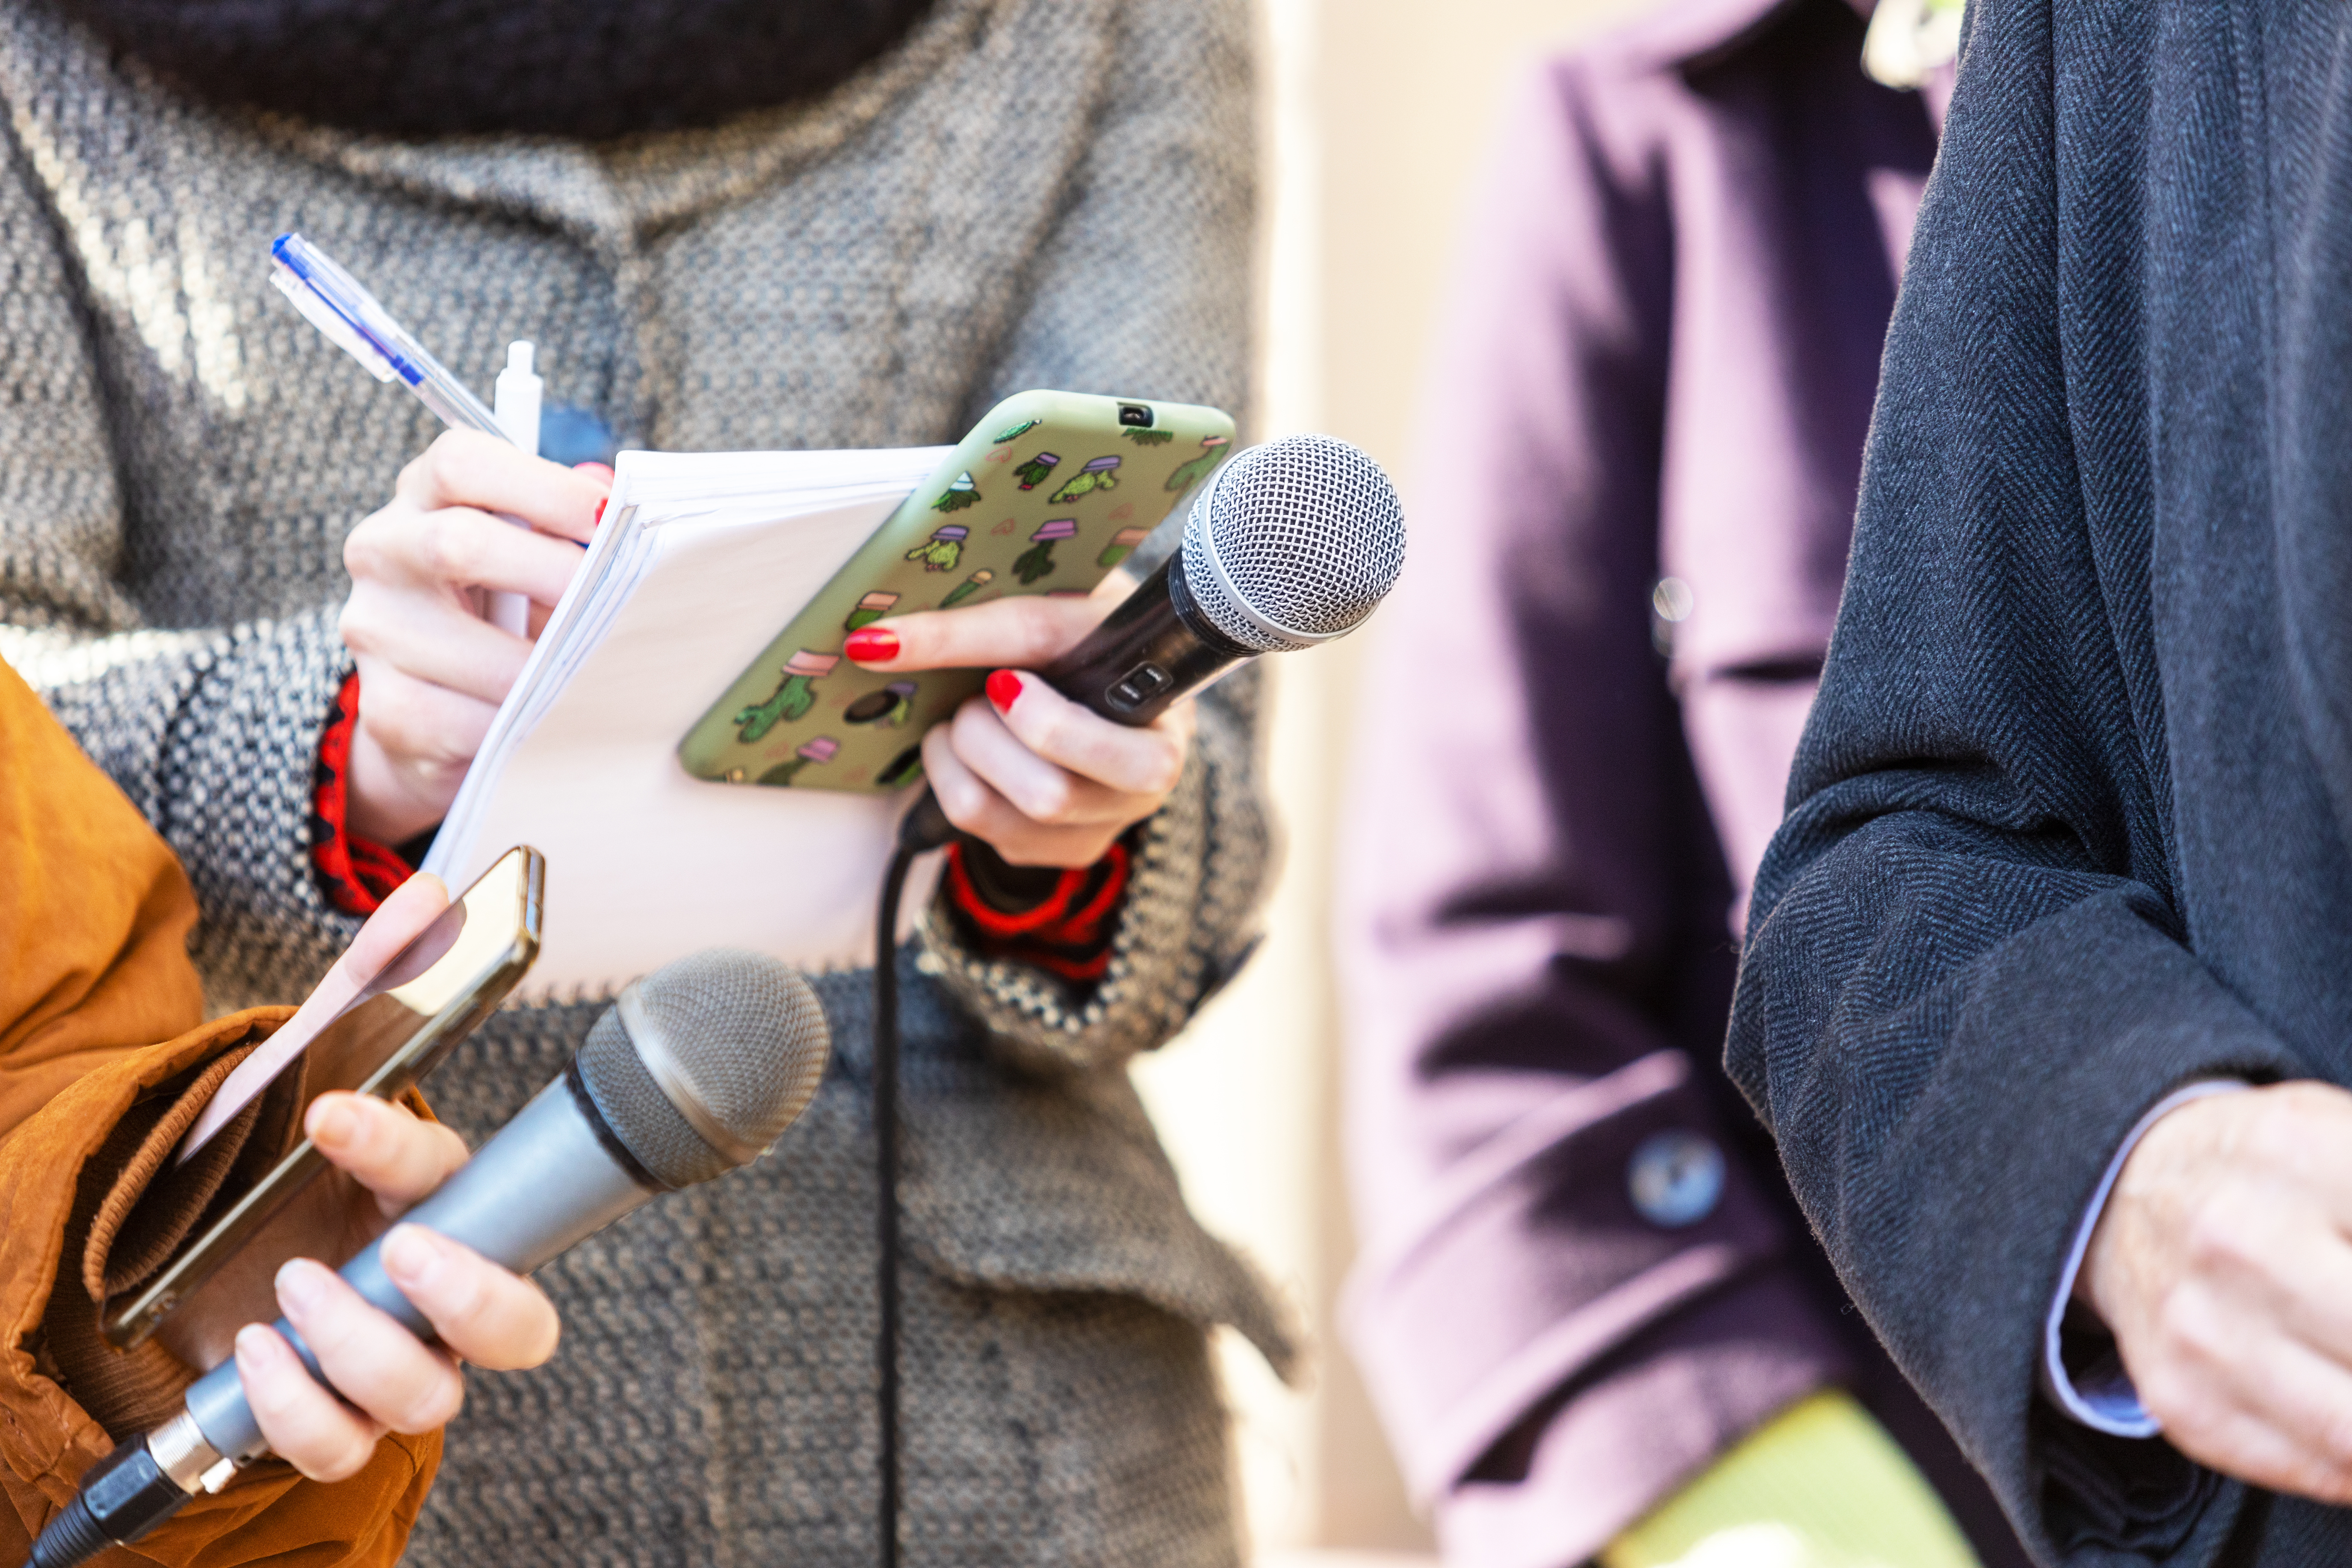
1026 193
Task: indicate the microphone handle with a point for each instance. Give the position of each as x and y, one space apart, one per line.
1153 649
545 1181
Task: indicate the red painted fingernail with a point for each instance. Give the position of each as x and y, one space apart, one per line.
594 470
600 512
1003 690
871 644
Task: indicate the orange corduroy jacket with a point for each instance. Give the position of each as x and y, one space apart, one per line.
94 920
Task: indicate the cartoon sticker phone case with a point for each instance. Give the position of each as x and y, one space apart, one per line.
1050 491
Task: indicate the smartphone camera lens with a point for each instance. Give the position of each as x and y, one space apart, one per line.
1135 416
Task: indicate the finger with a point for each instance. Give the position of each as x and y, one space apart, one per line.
463 546
1044 793
1145 762
434 640
2246 1444
424 724
1025 633
306 1426
384 1148
391 1375
490 1317
466 467
2269 1254
2257 1404
978 809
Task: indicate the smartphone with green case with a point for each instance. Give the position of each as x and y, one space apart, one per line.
1050 492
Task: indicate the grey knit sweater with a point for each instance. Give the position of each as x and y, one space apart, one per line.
1048 193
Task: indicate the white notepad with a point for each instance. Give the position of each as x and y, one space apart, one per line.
701 557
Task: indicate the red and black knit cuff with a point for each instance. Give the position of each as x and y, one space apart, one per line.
357 874
1067 933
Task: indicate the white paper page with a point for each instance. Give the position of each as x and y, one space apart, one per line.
775 485
544 672
645 864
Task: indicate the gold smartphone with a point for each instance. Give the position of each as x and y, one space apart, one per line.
402 1021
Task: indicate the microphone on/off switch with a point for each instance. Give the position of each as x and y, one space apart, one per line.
1290 544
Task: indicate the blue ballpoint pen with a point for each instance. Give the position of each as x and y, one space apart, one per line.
332 300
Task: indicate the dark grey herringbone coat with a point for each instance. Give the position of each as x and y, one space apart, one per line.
1026 193
2072 823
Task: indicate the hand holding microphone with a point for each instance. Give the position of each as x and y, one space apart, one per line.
380 1376
1288 545
694 1071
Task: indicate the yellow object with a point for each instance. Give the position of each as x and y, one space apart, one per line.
1910 39
1819 1486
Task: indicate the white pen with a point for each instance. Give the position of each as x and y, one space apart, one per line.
515 405
332 300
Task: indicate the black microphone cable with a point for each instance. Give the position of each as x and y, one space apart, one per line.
926 827
923 828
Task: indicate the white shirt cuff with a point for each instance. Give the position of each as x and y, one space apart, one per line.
2102 1397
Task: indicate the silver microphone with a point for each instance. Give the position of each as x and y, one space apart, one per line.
694 1070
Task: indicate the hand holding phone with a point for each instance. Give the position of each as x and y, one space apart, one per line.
383 1159
248 1189
368 966
1049 493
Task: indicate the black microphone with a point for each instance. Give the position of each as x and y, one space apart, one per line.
694 1070
1290 544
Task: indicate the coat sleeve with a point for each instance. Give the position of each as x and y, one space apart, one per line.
168 711
1533 914
1966 977
1142 289
94 920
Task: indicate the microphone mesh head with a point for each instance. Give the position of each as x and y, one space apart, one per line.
742 1039
1294 543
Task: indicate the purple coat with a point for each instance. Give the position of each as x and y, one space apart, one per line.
1659 363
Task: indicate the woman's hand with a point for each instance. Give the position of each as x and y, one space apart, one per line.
388 1380
1042 780
432 672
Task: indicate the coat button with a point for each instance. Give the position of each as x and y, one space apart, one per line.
1675 1178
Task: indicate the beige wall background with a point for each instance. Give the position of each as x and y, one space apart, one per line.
1374 117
